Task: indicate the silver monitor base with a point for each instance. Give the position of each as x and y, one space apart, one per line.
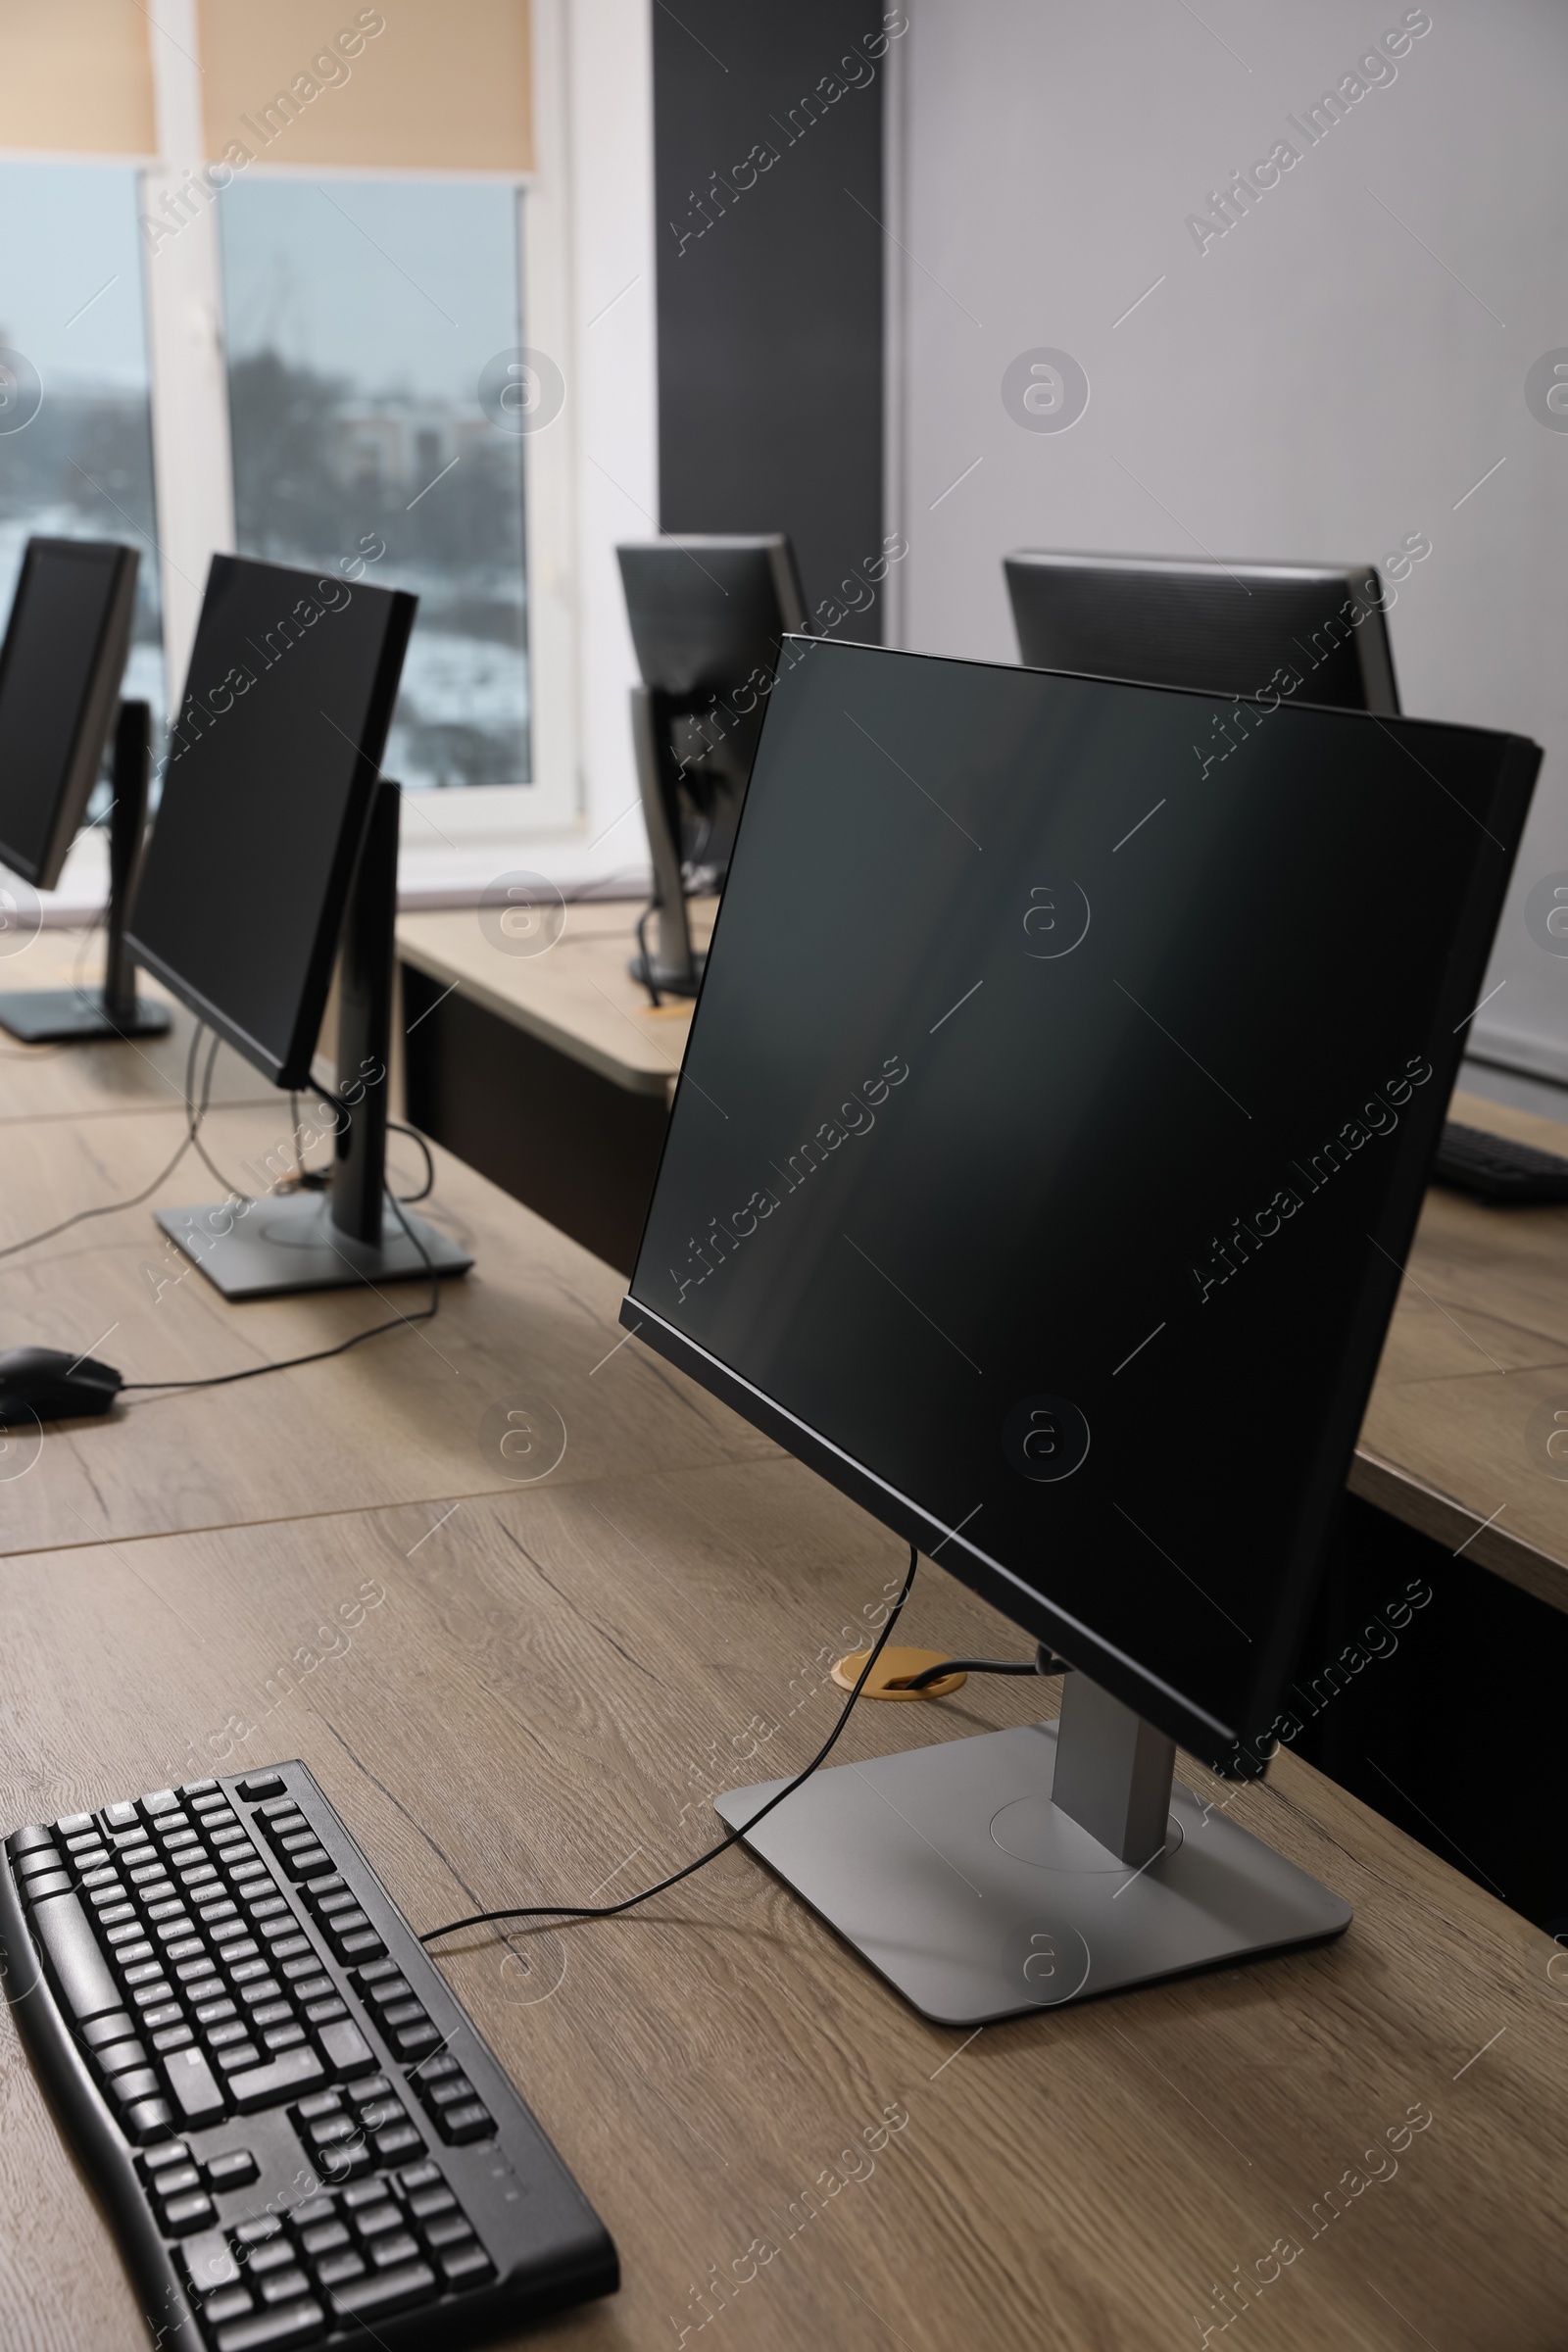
952 1872
291 1244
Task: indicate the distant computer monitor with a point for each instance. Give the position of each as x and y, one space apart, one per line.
275 842
1223 628
1054 1213
60 665
708 616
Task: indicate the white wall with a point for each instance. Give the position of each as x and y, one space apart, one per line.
1317 383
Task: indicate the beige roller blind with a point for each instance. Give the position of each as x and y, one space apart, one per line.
436 86
76 77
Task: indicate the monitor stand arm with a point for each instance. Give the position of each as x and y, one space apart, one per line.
59 1016
985 1878
314 1240
672 968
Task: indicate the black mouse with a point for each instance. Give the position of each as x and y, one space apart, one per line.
53 1385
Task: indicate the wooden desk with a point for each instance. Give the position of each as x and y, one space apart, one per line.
399 1420
539 1705
120 1074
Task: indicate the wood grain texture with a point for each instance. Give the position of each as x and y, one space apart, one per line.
538 1702
576 994
399 1419
46 1082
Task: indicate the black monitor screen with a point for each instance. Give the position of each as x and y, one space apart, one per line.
60 670
1045 1158
267 786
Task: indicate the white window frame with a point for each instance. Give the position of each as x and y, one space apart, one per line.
590 478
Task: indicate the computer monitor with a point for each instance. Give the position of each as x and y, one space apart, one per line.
61 665
1054 1213
1224 628
708 616
276 843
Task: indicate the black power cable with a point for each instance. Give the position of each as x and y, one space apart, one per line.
1043 1662
480 1919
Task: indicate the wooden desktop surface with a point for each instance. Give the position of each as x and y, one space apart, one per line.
574 994
548 1684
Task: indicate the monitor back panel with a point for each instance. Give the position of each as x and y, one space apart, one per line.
1218 629
59 671
267 787
1056 1207
706 614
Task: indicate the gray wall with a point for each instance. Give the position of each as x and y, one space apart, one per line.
1319 382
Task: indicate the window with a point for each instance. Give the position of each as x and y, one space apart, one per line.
76 438
360 316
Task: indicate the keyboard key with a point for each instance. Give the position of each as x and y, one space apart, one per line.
72 1949
120 2058
256 2232
162 1801
176 2179
216 2012
52 1881
257 1995
460 2125
22 1841
103 2029
367 2091
72 1825
366 1945
319 2209
273 2013
276 2255
338 2268
374 2220
282 2289
321 2012
345 2048
332 2132
140 2083
239 2058
209 2264
283 2037
320 2103
196 2093
389 2250
231 2304
411 2040
385 2293
173 2038
425 2203
259 1785
230 2031
290 2323
187 2213
157 2160
156 1998
266 2085
33 1865
188 1789
326 2238
309 1863
466 2266
451 2230
149 2119
234 2170
119 1817
451 2092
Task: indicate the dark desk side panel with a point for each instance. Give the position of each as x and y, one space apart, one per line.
552 1133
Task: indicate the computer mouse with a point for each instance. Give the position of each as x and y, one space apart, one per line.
53 1385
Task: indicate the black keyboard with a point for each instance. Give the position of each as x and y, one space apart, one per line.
297 2132
1494 1168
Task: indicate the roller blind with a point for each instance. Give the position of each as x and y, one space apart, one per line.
438 86
76 77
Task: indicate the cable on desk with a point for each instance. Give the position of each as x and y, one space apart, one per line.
396 1127
1044 1661
194 1119
480 1919
291 1363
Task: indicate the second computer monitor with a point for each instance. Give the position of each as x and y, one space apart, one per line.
60 670
1220 628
